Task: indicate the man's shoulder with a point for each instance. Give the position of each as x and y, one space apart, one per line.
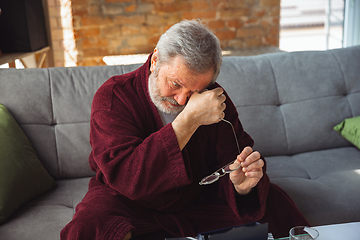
119 88
125 80
119 80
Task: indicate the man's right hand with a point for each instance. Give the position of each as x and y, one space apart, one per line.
203 108
207 107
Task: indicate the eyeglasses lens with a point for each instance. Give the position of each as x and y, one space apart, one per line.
210 179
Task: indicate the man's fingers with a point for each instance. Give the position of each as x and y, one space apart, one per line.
255 174
252 157
218 91
255 166
244 154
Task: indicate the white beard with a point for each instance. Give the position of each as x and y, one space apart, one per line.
162 102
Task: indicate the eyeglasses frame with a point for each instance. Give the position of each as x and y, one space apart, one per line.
216 174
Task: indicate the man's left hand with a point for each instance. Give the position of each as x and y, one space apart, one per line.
250 172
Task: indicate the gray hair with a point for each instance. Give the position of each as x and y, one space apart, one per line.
196 44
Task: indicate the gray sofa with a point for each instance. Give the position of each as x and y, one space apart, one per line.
288 102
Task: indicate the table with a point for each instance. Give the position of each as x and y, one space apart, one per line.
11 57
348 231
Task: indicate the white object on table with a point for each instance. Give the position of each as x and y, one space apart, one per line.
348 231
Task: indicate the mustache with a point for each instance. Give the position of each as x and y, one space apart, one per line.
171 100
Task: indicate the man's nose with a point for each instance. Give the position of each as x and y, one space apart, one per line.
181 98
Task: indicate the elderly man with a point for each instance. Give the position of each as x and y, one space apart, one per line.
156 133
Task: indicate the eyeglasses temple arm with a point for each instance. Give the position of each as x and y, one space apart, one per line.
237 143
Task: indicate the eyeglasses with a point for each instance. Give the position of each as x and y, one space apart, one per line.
225 169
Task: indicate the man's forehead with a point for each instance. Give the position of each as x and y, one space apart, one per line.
190 78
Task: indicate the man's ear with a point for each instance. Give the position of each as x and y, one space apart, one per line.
154 59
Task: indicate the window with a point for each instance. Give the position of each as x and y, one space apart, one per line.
311 24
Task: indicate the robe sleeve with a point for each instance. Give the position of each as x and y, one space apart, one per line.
133 163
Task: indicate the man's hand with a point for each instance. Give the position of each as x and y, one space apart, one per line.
202 109
206 107
250 173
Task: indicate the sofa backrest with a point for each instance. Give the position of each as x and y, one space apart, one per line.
53 108
290 102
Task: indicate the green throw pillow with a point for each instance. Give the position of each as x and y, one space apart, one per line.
350 130
22 176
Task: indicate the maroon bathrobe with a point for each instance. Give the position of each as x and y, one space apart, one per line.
146 185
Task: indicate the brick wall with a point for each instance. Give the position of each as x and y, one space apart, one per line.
63 46
116 27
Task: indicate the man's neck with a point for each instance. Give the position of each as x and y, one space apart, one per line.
166 118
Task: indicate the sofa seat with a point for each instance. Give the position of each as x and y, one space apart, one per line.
325 176
45 216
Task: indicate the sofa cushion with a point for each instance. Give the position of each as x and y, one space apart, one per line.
350 130
45 216
290 102
22 176
323 183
